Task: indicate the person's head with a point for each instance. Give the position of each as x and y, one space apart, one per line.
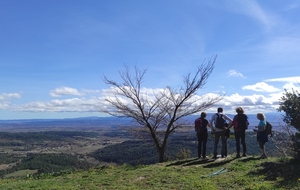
220 110
260 116
203 115
239 110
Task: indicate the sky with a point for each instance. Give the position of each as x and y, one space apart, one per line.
54 54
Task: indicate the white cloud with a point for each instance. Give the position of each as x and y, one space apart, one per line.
255 99
253 10
234 73
5 99
253 102
6 96
62 91
66 105
261 87
293 80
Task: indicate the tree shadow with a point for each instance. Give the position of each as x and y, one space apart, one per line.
217 163
288 174
249 159
181 162
197 162
190 162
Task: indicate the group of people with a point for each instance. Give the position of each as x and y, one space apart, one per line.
220 125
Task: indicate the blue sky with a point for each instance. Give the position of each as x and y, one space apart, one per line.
53 54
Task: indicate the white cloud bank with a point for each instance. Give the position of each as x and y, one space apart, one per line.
261 87
94 100
93 103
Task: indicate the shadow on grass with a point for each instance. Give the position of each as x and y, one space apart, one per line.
189 162
288 174
217 163
249 159
209 163
197 162
181 162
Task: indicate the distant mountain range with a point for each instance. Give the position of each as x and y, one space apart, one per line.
114 121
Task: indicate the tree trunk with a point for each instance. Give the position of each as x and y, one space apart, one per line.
162 150
161 154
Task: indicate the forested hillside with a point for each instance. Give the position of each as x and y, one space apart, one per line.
182 145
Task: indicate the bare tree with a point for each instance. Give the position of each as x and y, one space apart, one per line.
160 113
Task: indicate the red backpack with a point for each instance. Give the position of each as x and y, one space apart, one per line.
240 122
199 128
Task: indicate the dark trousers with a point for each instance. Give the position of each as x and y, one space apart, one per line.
202 140
240 139
224 143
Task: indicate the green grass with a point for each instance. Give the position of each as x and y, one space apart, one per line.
245 173
20 173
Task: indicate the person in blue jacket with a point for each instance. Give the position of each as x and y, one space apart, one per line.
262 136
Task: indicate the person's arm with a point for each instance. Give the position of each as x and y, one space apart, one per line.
232 123
228 119
211 123
208 125
247 123
261 126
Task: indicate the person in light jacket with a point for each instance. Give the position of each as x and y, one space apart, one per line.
262 136
220 131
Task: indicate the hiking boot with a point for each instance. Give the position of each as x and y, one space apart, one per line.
244 155
263 156
215 157
224 155
237 156
204 158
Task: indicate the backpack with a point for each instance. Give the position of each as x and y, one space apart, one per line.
199 127
241 122
269 129
220 122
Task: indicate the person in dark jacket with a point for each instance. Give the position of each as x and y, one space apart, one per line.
202 134
240 125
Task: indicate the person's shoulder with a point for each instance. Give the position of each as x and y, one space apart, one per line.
214 115
244 115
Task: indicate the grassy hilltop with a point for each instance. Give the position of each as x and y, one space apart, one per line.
243 173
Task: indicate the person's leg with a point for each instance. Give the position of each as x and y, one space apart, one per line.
237 143
224 145
264 151
204 145
217 137
262 148
243 141
199 145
